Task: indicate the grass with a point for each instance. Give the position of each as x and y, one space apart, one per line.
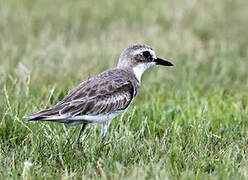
188 122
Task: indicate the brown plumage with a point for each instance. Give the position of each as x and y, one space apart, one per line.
110 91
105 96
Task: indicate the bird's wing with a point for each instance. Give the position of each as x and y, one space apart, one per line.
101 104
107 92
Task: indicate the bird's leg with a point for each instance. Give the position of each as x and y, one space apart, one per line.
80 133
105 129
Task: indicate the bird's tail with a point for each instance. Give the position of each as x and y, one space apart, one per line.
53 115
43 115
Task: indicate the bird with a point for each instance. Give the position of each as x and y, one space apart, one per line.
102 98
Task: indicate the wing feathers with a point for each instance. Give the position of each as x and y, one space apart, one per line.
101 104
100 95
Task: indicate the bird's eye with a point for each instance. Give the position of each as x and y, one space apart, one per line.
146 54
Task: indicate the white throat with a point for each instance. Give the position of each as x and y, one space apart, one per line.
140 69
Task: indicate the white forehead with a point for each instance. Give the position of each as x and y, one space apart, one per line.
139 51
153 54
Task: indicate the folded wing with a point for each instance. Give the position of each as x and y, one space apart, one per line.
93 97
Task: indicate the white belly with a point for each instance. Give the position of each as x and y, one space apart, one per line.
96 118
74 120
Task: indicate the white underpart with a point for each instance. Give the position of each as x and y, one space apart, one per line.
140 69
97 118
85 118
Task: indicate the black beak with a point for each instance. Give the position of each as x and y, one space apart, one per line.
163 62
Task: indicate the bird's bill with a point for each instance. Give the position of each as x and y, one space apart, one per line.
163 62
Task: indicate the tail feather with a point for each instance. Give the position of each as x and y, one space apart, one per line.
60 119
43 115
53 114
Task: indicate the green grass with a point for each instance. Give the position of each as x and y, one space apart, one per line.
188 122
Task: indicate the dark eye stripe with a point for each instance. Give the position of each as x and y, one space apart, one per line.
146 54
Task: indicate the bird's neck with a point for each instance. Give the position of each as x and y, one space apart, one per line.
138 70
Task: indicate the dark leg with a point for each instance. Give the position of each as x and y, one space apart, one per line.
80 133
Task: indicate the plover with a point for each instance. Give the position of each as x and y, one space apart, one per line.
102 98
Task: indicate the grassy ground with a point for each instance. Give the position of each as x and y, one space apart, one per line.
188 122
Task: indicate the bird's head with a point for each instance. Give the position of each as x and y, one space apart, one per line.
139 58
